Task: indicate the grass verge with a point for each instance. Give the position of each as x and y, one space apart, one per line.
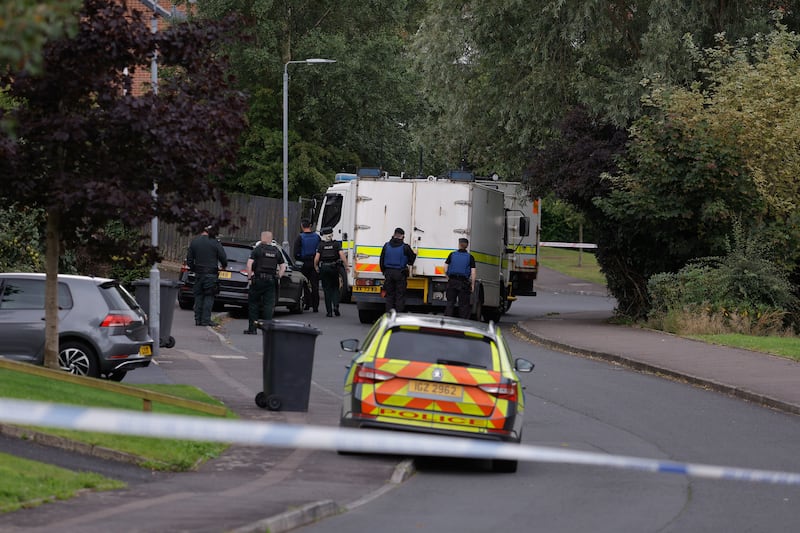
580 265
158 454
782 346
30 483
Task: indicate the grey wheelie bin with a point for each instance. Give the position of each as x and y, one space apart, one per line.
287 365
168 295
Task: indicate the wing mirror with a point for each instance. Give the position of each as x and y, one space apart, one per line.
349 345
523 365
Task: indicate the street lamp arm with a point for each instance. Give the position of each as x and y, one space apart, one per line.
286 142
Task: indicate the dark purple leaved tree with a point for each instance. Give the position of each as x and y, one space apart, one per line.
87 150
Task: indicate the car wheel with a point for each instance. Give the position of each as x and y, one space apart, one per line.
504 466
297 308
345 295
117 375
478 305
185 303
77 358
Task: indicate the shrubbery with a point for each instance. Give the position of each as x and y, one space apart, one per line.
21 246
743 291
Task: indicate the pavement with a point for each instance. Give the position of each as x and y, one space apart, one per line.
289 488
760 378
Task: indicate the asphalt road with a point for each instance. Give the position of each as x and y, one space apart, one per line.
572 403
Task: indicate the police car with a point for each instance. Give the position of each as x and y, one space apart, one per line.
434 374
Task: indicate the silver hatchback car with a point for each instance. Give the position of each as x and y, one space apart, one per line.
102 331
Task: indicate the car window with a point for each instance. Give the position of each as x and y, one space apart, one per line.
377 326
29 294
117 297
237 254
437 346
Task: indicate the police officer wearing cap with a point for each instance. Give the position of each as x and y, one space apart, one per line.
204 257
264 268
396 258
326 261
305 248
460 280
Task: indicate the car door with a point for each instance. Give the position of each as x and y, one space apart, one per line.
291 283
22 319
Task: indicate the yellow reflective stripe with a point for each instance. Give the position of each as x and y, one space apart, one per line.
433 253
369 250
346 245
382 346
474 335
412 328
525 250
486 258
495 356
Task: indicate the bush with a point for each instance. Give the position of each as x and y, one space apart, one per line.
21 246
743 291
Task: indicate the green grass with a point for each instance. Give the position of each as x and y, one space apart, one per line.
30 483
782 346
580 265
159 454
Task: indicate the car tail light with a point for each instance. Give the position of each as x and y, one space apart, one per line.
115 319
368 374
505 391
184 268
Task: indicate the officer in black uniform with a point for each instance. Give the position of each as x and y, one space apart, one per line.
396 258
305 248
204 257
327 260
460 280
264 269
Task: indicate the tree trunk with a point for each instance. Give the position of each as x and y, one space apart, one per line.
52 254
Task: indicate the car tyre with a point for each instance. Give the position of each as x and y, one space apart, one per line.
297 308
77 358
504 466
186 303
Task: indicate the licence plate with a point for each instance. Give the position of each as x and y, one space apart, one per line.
224 275
371 288
145 349
430 389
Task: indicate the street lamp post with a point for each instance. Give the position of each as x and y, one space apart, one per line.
286 143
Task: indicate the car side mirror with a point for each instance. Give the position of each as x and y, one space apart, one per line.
349 345
523 365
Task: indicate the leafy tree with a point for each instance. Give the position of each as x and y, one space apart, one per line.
87 150
499 75
357 112
26 24
707 155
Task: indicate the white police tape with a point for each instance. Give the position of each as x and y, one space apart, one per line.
353 440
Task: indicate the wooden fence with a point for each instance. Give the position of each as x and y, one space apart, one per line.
257 214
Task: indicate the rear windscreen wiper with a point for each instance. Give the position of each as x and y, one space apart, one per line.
458 363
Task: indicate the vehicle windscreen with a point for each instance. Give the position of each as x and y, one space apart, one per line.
443 347
237 254
332 210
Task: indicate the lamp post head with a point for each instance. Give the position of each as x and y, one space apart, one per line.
319 60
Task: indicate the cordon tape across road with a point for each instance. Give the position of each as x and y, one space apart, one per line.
347 439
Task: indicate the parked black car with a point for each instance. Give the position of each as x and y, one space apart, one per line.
233 280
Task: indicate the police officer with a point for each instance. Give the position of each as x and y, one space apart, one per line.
396 258
326 261
264 268
305 248
460 280
204 257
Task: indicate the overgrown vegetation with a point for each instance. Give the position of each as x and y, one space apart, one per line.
744 291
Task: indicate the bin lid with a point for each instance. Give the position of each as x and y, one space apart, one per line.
162 283
288 326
